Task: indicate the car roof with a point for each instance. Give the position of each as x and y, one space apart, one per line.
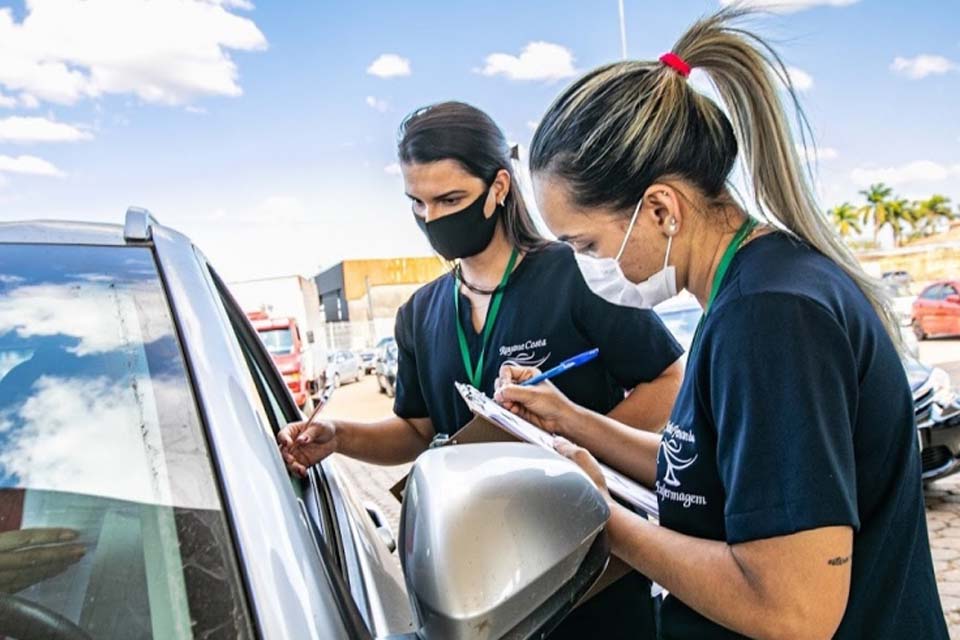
137 227
61 232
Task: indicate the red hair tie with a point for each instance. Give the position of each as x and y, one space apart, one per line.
676 63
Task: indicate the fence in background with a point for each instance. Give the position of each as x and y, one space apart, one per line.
354 336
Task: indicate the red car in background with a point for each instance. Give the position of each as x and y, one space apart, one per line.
936 311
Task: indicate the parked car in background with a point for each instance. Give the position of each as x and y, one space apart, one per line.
343 366
900 277
138 461
387 367
902 300
284 342
935 401
936 311
368 357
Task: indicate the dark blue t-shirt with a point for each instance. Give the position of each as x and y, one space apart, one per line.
795 413
548 314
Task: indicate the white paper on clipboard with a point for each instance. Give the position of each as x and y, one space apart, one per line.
619 485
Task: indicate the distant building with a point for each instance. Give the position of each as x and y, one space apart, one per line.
362 290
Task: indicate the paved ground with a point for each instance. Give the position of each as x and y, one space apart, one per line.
362 401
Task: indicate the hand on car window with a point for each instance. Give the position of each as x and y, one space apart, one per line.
29 556
303 445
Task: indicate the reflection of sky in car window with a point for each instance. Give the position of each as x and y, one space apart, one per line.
93 394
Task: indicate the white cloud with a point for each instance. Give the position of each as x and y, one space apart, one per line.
392 169
70 310
48 441
7 102
29 101
537 61
912 172
816 154
801 80
533 124
922 66
31 129
787 6
389 65
28 165
163 52
377 104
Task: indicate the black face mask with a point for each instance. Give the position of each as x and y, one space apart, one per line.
464 233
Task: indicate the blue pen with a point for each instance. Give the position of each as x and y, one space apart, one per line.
566 365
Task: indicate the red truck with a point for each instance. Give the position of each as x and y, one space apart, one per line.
291 355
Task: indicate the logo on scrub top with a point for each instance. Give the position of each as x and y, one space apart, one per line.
672 450
524 353
675 461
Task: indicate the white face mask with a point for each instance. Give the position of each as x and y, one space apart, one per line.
605 277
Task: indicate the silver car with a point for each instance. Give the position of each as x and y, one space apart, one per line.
343 366
142 494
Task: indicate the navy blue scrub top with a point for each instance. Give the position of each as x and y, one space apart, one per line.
548 314
795 413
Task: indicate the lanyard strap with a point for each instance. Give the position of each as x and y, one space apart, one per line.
742 233
475 373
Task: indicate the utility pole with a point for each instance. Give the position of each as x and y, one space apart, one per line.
623 33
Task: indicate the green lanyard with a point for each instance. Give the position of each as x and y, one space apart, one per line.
474 374
718 277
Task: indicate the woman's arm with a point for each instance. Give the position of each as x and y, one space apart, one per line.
793 586
392 440
649 404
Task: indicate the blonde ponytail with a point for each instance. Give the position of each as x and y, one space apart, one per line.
626 125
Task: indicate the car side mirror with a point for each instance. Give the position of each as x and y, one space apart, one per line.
953 298
499 540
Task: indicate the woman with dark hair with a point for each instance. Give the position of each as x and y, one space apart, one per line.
511 296
788 477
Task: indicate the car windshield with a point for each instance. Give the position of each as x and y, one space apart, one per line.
110 518
277 341
682 323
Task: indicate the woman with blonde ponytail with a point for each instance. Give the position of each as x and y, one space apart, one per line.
788 476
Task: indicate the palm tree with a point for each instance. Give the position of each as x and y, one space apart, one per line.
875 211
900 212
930 212
846 219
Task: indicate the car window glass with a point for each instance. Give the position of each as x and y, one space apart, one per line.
932 293
948 290
103 463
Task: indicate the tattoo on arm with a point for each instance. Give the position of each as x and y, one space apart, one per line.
838 561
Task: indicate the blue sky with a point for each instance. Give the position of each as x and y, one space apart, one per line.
258 129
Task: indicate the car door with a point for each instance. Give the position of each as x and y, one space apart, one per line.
927 309
346 535
292 587
950 310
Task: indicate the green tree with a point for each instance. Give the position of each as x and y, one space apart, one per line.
875 211
930 213
900 213
846 219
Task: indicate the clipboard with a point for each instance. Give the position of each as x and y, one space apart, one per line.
493 423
